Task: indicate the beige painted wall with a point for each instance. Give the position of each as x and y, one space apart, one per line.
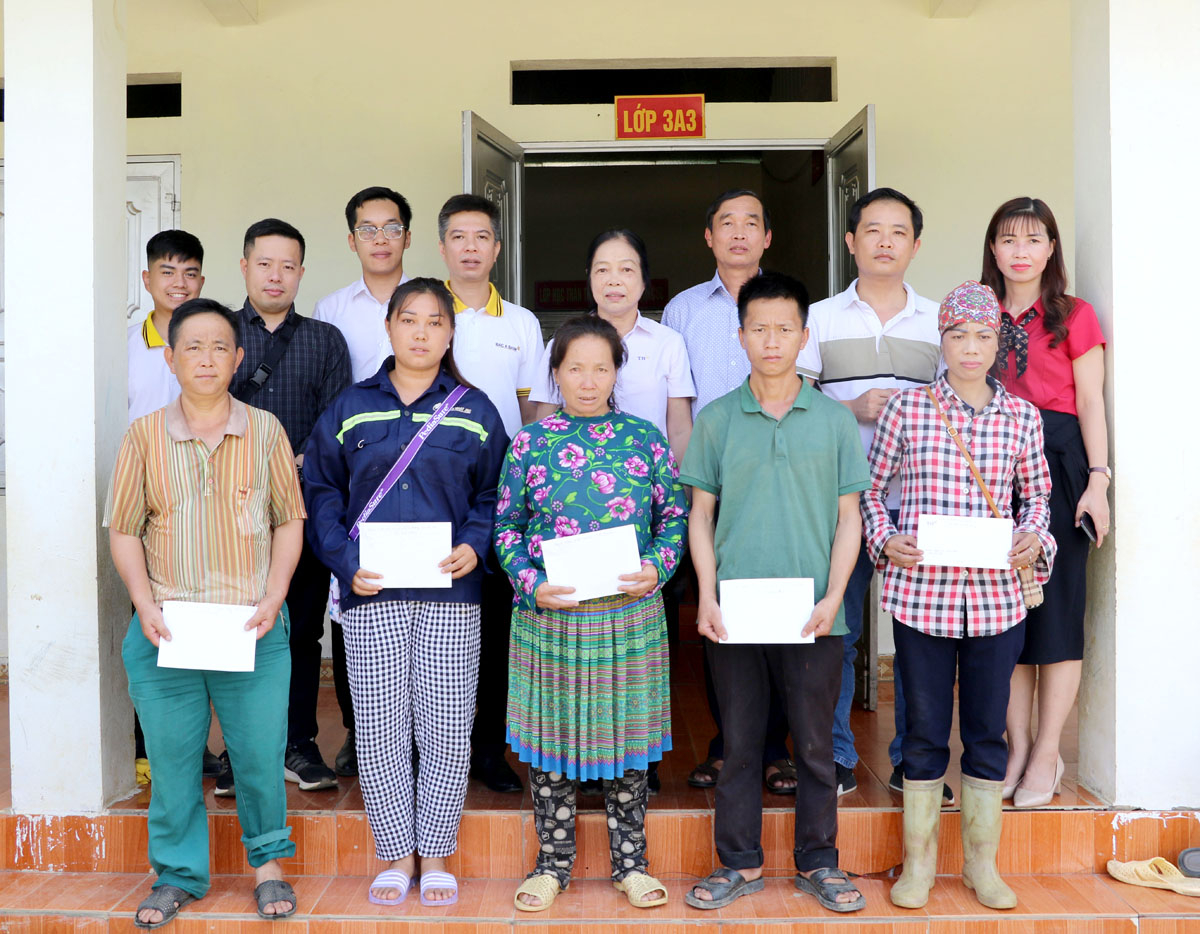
323 97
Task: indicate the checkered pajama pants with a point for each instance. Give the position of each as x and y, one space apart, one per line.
413 667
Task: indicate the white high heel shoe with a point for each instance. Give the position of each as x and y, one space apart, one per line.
1024 798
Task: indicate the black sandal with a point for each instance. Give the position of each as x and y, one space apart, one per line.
704 775
826 892
724 885
274 890
165 898
787 773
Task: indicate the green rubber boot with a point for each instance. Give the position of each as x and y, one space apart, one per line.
981 819
922 814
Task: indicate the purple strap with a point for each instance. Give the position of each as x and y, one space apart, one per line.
407 456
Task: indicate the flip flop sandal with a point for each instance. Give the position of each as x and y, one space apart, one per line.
390 879
543 886
1155 873
704 775
165 898
275 890
827 892
436 879
725 885
787 773
637 885
1189 861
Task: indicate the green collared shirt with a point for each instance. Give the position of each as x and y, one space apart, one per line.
779 481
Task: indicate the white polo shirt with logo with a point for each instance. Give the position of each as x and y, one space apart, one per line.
497 349
360 317
151 382
850 351
656 369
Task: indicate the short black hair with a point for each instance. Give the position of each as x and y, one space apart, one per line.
466 202
174 244
628 236
378 193
773 285
585 326
202 306
729 196
885 194
271 227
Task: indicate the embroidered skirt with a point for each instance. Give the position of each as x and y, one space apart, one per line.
588 689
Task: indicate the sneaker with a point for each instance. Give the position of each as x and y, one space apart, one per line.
302 764
896 783
224 787
212 764
346 761
846 782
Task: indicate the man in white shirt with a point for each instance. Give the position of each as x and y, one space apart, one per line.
737 228
380 223
864 344
172 276
497 346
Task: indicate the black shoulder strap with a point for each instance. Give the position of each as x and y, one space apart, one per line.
283 337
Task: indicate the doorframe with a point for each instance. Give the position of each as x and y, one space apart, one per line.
707 144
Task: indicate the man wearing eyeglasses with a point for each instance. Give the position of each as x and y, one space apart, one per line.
379 220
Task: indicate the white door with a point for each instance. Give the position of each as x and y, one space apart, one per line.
151 205
850 174
494 166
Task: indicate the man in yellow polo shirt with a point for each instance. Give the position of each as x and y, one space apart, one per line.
172 276
205 508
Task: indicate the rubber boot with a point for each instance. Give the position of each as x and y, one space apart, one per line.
981 819
922 814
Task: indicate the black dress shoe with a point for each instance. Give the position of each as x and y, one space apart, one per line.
212 765
496 774
346 761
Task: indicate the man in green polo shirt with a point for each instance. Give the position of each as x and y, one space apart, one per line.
787 465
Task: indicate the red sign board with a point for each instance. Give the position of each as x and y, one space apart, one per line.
660 116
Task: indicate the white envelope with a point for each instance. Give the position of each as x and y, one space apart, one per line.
965 541
208 636
407 554
767 610
593 562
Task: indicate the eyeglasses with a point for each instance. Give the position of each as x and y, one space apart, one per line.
370 231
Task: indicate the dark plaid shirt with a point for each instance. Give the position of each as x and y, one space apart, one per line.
314 369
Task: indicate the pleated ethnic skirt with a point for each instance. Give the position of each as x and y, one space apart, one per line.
588 689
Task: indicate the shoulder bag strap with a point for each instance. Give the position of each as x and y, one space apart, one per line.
283 337
965 453
406 457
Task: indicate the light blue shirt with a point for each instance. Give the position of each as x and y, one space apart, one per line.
706 317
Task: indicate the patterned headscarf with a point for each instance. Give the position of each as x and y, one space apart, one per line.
971 301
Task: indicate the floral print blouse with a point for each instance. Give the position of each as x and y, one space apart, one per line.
567 475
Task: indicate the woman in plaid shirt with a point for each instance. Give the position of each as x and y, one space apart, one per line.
964 619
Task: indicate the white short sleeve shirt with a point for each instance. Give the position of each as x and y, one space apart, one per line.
151 382
656 369
355 312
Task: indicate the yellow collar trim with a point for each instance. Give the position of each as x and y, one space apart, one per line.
150 333
494 307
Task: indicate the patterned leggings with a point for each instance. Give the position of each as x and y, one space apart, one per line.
554 813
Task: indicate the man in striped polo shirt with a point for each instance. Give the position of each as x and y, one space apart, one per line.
205 507
876 337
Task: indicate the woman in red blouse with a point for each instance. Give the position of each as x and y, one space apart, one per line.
1052 354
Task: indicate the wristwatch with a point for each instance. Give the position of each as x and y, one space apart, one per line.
1106 470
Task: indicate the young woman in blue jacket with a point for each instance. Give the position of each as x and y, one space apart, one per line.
412 653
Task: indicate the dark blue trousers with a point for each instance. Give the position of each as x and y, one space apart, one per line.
984 667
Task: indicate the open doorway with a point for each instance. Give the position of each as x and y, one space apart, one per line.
662 196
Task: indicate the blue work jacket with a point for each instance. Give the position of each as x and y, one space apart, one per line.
452 479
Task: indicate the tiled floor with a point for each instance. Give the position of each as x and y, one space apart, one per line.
692 727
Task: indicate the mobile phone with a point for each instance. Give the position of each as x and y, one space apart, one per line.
1088 525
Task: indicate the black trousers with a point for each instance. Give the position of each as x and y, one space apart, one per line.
809 678
307 597
984 666
491 696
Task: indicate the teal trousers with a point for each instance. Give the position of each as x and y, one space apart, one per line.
173 705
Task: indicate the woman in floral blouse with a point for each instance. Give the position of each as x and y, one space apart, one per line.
588 692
